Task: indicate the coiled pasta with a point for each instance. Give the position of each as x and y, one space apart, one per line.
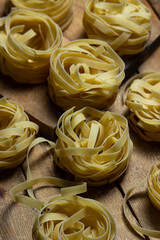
16 134
67 216
27 40
93 145
74 218
154 185
143 99
85 73
61 11
153 181
124 24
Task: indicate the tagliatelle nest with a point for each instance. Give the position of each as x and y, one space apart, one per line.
74 217
153 181
93 145
67 216
143 99
61 11
154 185
124 24
85 73
16 134
27 40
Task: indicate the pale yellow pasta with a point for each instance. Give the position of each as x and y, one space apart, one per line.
27 40
61 11
16 134
93 145
65 216
153 181
124 24
143 99
83 73
154 185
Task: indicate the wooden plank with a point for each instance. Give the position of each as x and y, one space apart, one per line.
16 220
156 6
35 99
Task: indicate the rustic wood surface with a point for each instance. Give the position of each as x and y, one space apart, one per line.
16 220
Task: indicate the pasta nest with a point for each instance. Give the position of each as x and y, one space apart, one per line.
16 134
143 99
124 24
93 145
74 217
61 11
27 40
83 72
154 185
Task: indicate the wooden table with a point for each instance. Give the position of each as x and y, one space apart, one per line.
16 220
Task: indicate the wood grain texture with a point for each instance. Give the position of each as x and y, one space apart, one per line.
156 5
16 220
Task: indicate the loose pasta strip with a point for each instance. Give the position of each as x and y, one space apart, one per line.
85 73
65 216
124 24
143 99
16 134
93 145
61 11
153 181
27 40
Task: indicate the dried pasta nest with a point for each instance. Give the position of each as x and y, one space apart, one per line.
27 40
143 99
74 217
16 134
93 145
66 216
154 185
83 73
61 11
124 24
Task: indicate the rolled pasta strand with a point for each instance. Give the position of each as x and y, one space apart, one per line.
153 181
143 99
16 134
27 40
124 24
93 145
61 11
85 72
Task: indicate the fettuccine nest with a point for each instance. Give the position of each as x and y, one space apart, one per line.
154 185
67 216
27 40
16 134
124 24
85 73
143 99
74 217
93 145
61 11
